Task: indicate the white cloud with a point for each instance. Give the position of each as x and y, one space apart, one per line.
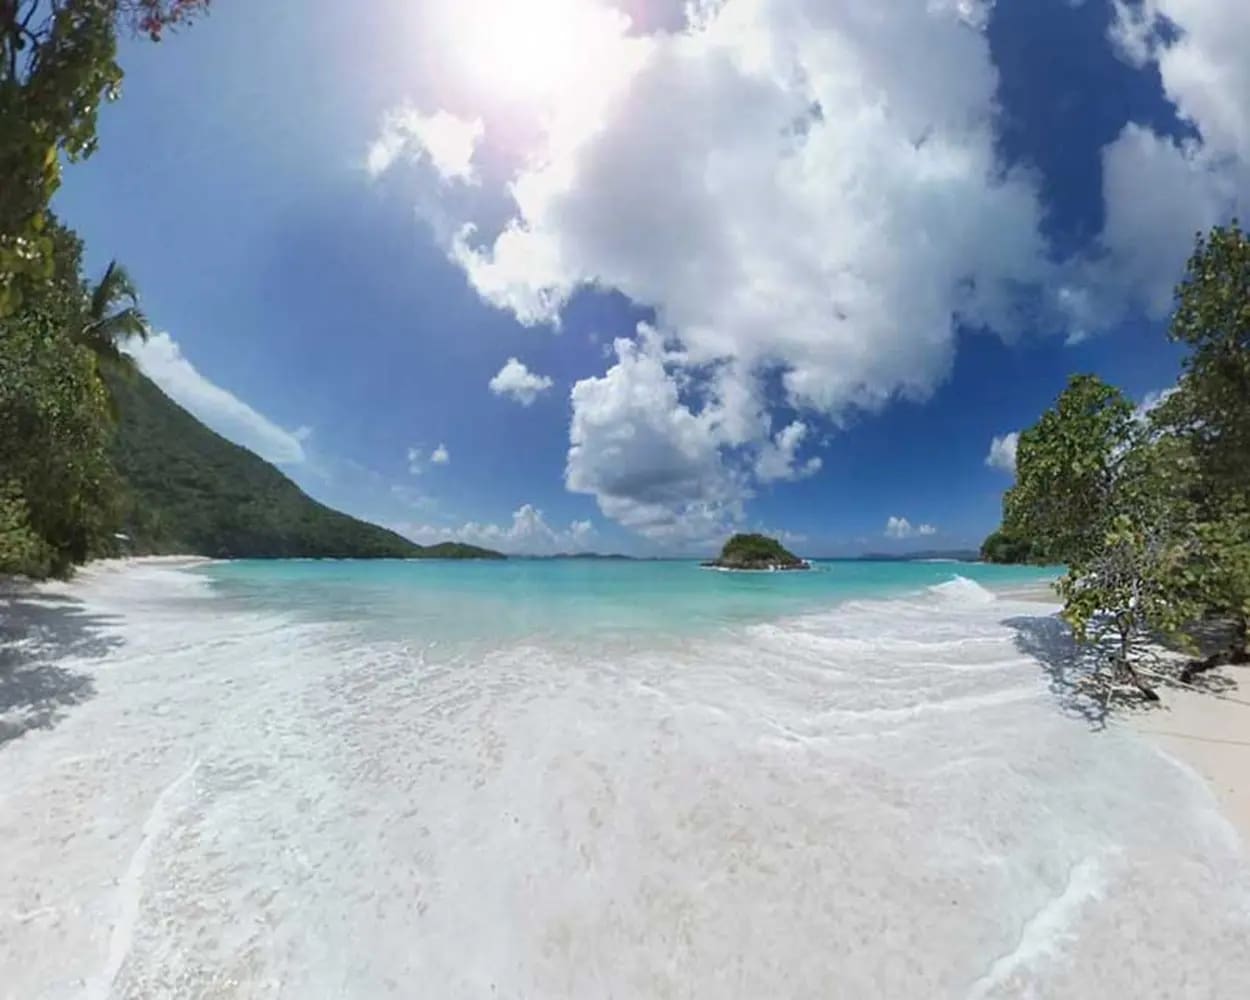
446 141
1200 49
900 527
1158 190
162 360
652 464
517 381
528 533
1003 452
417 459
786 187
777 459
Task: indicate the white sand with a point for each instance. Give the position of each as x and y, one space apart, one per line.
1204 732
1211 735
886 800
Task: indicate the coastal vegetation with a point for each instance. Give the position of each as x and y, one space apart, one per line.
1149 508
758 552
94 459
186 489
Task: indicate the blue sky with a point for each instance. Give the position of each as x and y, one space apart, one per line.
861 245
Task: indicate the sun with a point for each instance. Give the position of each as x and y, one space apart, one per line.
529 50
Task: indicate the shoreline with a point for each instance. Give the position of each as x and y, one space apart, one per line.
1207 735
1204 734
206 758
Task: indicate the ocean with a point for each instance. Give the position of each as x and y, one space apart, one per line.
484 602
597 779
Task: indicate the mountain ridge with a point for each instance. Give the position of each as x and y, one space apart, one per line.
189 491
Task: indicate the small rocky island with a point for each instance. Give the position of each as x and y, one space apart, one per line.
756 552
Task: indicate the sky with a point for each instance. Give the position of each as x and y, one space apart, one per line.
583 275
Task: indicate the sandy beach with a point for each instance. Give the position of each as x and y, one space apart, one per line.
1209 731
1206 730
208 795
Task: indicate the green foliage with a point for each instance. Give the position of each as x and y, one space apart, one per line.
21 550
1110 496
1211 408
1066 469
751 551
1224 583
191 491
1002 546
1210 413
57 64
1139 579
1152 517
59 488
113 316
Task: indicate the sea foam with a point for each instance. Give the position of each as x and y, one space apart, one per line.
881 799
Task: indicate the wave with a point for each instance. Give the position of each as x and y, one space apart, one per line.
961 590
760 812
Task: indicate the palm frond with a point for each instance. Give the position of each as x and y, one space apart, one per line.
106 335
116 286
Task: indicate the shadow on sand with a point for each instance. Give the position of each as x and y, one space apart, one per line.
37 632
1049 640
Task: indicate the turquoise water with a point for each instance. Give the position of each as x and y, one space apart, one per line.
534 597
629 780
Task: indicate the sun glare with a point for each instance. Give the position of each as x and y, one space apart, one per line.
526 49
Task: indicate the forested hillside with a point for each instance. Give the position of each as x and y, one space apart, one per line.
189 490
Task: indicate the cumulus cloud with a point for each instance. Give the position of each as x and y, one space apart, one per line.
1002 453
777 459
900 527
517 381
806 211
528 533
1158 190
650 461
447 142
162 360
440 455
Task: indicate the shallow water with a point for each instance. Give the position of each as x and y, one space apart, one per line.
303 781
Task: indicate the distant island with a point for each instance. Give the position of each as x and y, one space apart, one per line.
756 552
609 556
953 555
189 491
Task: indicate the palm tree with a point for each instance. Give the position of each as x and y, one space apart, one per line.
110 322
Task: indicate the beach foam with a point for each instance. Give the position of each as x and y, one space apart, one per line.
883 799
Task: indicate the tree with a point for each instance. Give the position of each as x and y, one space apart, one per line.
57 64
58 490
1224 584
112 317
1109 495
1210 411
1138 582
1004 547
1066 470
1212 404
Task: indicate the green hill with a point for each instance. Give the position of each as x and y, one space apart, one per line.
190 491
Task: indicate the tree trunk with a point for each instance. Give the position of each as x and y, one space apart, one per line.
1238 653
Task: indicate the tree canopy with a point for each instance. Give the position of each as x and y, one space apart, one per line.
1066 470
1150 512
58 63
